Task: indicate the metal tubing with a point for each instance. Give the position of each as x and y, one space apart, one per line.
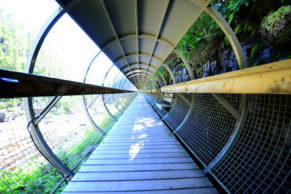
227 105
114 30
236 131
41 143
184 99
30 63
102 96
174 82
187 116
225 27
187 65
44 112
112 99
92 102
163 78
85 106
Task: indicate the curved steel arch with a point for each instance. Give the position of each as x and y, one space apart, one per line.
36 134
102 96
119 85
163 78
142 74
113 85
86 107
242 64
187 65
225 27
134 36
135 63
137 66
138 70
134 55
166 66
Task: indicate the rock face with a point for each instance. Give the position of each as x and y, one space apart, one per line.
276 27
2 117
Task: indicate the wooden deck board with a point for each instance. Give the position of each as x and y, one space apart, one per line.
140 155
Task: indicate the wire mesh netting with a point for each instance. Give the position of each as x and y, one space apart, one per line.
209 126
23 168
178 112
66 129
259 161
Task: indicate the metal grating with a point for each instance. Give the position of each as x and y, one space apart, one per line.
259 161
209 126
159 111
151 99
178 112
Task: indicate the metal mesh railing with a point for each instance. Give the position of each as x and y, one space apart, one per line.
65 130
177 113
259 161
22 167
209 127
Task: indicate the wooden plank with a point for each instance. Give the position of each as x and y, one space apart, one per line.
140 130
162 134
140 161
273 78
138 140
145 185
199 190
134 167
144 147
141 136
139 151
151 175
127 156
17 84
134 143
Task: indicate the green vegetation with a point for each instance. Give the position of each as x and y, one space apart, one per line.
273 24
40 177
14 43
205 29
256 23
272 19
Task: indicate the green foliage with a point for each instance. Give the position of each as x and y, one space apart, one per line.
275 17
8 104
14 43
276 27
40 177
205 29
34 178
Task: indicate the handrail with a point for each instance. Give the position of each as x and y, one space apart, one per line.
273 78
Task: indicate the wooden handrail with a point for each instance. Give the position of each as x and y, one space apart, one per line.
273 78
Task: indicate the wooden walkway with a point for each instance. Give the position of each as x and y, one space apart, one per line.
140 155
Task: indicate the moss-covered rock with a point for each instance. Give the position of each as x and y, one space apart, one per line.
276 27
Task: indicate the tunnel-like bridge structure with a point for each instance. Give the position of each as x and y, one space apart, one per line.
229 132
